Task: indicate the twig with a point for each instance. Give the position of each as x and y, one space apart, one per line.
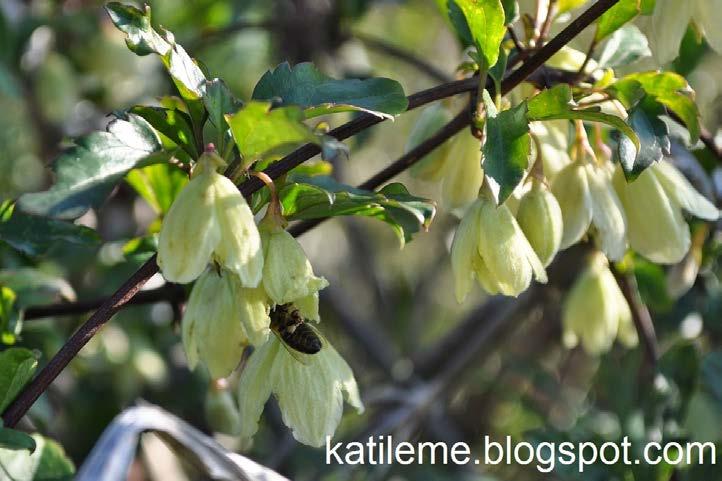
640 314
125 293
588 58
389 49
547 25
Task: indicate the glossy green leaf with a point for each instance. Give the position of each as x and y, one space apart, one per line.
652 283
158 184
219 101
507 148
321 197
511 11
616 17
143 39
35 287
87 172
47 463
174 124
34 235
17 366
557 103
481 23
667 88
307 87
259 131
653 137
16 440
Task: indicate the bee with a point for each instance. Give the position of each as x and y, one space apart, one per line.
294 331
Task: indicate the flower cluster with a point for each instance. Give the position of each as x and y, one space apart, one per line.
242 272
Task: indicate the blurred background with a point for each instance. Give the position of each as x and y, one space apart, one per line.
428 368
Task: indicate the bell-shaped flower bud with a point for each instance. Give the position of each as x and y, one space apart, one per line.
310 395
553 136
595 311
221 318
431 166
540 218
587 198
463 175
287 273
221 410
654 202
210 220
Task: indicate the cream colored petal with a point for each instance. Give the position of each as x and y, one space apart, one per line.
656 228
708 14
240 247
683 193
607 214
220 334
431 167
287 272
571 189
308 307
571 60
190 232
483 276
253 311
311 396
255 385
504 248
195 310
462 171
463 250
554 139
667 28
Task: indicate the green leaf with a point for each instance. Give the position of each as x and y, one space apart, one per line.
16 440
667 88
35 287
174 124
614 18
511 11
712 374
652 282
481 23
219 101
566 5
625 46
47 463
557 103
10 317
653 138
307 87
158 184
507 147
260 132
321 197
87 172
16 368
35 235
143 39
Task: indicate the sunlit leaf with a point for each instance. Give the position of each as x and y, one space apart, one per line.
16 368
481 23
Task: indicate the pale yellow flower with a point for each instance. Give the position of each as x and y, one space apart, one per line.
462 173
540 218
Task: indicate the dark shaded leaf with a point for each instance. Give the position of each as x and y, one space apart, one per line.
653 138
86 173
652 282
321 197
35 287
17 366
259 131
219 101
174 124
507 147
712 374
307 87
16 440
143 39
34 235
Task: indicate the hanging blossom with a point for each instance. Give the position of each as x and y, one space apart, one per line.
587 199
221 318
287 273
595 312
654 204
540 218
210 221
670 21
489 246
310 394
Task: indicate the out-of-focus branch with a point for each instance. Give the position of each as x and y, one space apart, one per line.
640 314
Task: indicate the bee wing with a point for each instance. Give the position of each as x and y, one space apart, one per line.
304 359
